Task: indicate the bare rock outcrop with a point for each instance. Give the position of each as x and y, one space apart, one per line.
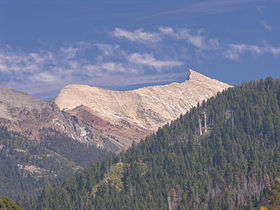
131 115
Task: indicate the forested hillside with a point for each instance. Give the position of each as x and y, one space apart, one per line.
228 164
28 164
7 204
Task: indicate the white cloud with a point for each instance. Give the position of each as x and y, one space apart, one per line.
274 51
241 48
108 68
115 67
192 37
44 77
138 35
86 62
42 66
21 62
65 65
68 52
166 30
106 49
195 38
235 50
231 55
150 60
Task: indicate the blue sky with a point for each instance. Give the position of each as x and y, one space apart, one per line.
45 45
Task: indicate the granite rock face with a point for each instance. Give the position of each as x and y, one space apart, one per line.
131 115
32 118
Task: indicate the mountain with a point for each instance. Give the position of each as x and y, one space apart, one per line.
228 163
41 144
132 115
31 117
27 164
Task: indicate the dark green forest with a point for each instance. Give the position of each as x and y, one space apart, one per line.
227 163
29 164
7 204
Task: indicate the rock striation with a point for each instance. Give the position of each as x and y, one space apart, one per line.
131 115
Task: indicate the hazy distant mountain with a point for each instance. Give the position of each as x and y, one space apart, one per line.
132 115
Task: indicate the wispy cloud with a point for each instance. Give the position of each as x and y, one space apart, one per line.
18 62
45 77
150 60
266 25
97 63
106 49
64 64
118 81
209 7
84 63
138 35
235 50
193 37
166 30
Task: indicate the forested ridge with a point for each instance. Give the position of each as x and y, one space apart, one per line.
7 204
29 164
230 164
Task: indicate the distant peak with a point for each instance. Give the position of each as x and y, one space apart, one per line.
194 75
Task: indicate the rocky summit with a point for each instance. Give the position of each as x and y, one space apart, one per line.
129 116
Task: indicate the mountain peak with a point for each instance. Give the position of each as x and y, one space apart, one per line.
194 75
144 110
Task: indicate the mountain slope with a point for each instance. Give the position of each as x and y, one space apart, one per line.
29 116
229 166
132 115
7 204
40 144
26 164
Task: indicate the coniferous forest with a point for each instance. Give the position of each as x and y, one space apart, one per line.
223 154
29 164
6 203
